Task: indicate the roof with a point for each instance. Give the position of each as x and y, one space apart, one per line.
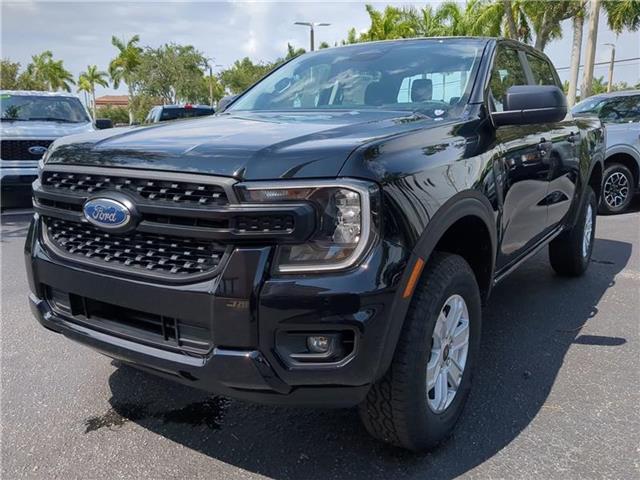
113 100
186 105
37 93
406 40
620 93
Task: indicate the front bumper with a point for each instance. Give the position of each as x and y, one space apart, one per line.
247 311
16 178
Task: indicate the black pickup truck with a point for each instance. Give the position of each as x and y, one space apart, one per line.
330 237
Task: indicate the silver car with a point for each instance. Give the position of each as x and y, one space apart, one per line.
30 122
620 113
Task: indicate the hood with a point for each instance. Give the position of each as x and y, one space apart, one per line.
42 130
244 145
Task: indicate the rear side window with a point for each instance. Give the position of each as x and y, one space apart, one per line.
507 72
542 71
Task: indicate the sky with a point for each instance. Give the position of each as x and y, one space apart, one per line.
80 32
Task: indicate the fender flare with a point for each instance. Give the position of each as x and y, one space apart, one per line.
463 204
625 149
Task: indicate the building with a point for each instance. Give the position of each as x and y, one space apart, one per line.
112 101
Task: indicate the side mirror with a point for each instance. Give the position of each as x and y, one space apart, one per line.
102 123
225 102
530 104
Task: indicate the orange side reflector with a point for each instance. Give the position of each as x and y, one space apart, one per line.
413 279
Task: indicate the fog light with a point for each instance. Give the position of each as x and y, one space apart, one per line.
318 343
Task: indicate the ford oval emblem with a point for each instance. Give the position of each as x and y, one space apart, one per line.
37 150
107 213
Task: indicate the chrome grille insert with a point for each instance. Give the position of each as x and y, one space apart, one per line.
135 251
167 190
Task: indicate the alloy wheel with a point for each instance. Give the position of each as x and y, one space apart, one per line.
588 231
449 350
616 189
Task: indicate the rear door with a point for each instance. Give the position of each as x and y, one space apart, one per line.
562 140
523 165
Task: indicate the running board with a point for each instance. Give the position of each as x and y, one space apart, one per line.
543 243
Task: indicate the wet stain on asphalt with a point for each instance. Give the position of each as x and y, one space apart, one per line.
116 417
209 412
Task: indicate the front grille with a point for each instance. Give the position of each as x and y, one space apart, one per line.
19 149
169 191
265 223
138 252
159 330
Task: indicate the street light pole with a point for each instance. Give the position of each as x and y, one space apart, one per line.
210 67
312 26
210 86
611 64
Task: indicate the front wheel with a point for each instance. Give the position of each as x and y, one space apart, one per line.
418 401
570 252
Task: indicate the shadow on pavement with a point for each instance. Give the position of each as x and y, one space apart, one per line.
533 318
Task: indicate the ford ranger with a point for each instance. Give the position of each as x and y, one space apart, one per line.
330 237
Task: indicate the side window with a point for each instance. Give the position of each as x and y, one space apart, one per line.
542 71
507 72
621 110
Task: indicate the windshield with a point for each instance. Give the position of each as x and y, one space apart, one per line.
433 77
590 105
44 108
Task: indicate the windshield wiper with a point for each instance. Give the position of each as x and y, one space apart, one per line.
9 119
51 119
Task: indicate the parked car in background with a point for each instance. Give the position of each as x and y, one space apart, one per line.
329 240
31 120
165 113
620 113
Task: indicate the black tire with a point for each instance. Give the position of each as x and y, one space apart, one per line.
566 252
608 205
396 409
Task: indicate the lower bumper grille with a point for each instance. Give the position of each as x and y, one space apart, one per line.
155 329
137 252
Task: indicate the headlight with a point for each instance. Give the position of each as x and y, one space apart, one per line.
345 221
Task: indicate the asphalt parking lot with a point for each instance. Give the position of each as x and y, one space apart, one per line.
556 395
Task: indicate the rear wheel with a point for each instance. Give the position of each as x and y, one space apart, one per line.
617 189
570 252
418 401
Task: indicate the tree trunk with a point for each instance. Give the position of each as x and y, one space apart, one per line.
576 47
543 35
93 102
592 40
130 104
511 22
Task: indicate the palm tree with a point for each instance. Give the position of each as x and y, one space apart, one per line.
592 39
85 87
576 47
389 24
512 30
51 74
94 77
621 15
124 66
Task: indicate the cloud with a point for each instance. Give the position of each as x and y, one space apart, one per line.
80 32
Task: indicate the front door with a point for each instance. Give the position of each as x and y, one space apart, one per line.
523 165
